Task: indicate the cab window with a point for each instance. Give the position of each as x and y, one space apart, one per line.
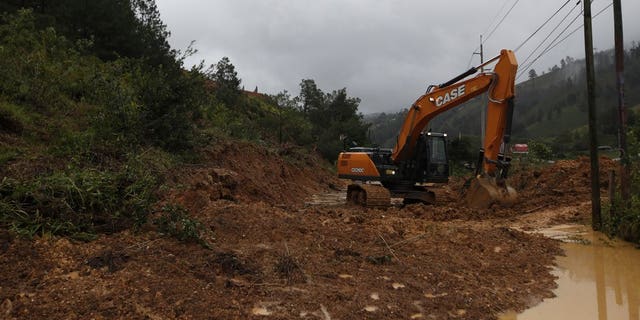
438 151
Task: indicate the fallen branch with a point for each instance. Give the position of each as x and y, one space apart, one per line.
537 208
389 248
405 241
325 313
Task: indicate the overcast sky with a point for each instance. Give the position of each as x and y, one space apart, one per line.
385 52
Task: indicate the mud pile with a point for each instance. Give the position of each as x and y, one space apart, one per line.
566 182
558 185
562 177
244 173
276 256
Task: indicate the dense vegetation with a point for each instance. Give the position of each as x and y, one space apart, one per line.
95 107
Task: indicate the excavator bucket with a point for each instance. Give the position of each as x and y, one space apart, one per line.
485 191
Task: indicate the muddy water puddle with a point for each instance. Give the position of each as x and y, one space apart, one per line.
598 278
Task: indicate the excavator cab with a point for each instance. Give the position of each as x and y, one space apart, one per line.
429 162
437 162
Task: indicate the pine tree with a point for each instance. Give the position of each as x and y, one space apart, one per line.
227 82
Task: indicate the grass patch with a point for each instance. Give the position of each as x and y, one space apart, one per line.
176 222
77 202
8 154
13 119
623 220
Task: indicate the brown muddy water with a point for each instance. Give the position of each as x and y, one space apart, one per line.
598 278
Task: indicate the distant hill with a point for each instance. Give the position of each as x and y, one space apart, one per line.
550 107
384 127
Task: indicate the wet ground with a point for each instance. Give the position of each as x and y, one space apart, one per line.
598 278
277 252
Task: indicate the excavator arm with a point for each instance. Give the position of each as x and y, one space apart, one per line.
500 83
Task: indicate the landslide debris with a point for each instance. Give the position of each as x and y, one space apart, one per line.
273 256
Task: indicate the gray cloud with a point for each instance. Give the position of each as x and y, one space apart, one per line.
385 52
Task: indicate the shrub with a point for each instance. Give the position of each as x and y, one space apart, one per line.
175 221
539 150
623 219
78 202
41 63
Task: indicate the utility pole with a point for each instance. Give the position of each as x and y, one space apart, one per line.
482 110
596 219
481 55
622 112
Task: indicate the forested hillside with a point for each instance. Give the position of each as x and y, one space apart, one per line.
550 106
134 186
96 108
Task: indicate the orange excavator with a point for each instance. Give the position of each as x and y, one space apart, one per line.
419 158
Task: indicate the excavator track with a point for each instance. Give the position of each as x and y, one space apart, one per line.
368 195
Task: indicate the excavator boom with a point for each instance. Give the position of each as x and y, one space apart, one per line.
499 83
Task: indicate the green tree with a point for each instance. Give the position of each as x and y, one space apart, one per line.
292 124
569 60
116 28
153 33
540 150
341 107
110 25
331 116
227 82
311 98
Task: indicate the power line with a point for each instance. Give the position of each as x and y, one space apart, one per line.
546 49
550 33
553 45
499 23
578 28
471 58
550 44
541 26
493 20
496 16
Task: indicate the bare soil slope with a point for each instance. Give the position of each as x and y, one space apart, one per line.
275 257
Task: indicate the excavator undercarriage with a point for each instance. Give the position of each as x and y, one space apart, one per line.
368 195
379 196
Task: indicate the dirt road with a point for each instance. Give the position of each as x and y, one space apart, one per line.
278 252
